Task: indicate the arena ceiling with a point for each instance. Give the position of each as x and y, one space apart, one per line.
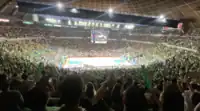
186 10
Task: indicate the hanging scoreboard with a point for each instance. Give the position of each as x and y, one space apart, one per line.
99 36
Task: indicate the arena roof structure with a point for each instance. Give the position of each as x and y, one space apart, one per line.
185 10
172 8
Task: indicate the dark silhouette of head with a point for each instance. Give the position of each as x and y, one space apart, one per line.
90 90
116 93
24 77
4 84
128 83
173 99
3 77
14 75
193 86
71 90
135 99
174 81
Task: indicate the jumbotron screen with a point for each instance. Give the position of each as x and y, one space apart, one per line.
99 36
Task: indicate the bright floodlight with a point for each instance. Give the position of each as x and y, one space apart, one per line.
59 5
74 10
131 26
161 17
110 10
16 6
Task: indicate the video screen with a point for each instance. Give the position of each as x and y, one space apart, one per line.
99 36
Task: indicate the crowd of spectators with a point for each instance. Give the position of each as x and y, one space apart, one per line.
29 83
70 93
25 31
